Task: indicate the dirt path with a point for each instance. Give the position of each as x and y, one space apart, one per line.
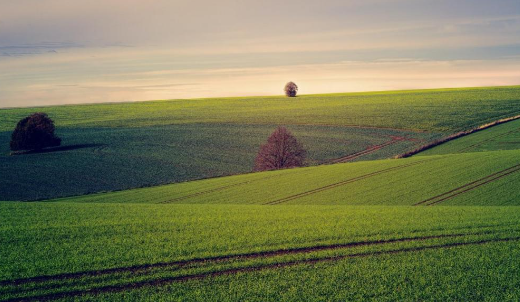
469 186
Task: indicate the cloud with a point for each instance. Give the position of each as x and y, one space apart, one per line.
62 51
213 82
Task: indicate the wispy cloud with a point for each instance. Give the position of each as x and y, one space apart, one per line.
62 51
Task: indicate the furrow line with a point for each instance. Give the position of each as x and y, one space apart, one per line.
216 259
472 185
169 280
217 189
341 183
487 140
366 151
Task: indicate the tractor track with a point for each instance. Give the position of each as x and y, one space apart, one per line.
232 271
369 150
469 186
273 253
488 140
218 189
341 183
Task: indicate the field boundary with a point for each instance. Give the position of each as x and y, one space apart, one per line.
231 271
457 135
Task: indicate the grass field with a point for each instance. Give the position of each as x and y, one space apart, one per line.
487 178
501 137
137 248
103 159
440 226
112 147
437 110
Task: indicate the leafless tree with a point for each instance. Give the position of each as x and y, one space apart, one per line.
282 150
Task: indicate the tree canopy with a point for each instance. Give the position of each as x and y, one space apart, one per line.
282 150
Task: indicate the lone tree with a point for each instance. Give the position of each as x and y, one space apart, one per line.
282 150
291 89
34 132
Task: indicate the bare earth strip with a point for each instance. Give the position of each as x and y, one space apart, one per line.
469 186
168 280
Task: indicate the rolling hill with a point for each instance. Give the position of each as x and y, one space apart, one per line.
109 147
441 225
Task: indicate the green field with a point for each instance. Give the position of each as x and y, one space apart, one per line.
108 159
440 226
103 247
384 182
113 147
501 137
436 110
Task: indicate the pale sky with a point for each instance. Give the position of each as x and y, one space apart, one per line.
68 51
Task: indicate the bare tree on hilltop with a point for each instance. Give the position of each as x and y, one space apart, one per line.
291 89
282 150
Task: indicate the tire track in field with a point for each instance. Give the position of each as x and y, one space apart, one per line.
342 183
244 256
369 150
488 140
232 271
221 188
469 186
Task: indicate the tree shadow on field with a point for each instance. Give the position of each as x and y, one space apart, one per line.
58 149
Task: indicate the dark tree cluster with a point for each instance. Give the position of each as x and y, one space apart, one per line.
291 89
282 150
34 132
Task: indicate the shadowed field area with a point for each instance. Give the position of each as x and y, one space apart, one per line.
152 143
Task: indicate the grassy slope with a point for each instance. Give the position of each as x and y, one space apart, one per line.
125 158
413 180
469 273
88 237
113 231
427 110
502 137
151 143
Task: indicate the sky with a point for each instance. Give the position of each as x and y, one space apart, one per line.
70 52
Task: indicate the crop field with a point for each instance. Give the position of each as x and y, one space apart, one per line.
111 147
436 110
111 251
501 137
487 178
443 225
102 159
